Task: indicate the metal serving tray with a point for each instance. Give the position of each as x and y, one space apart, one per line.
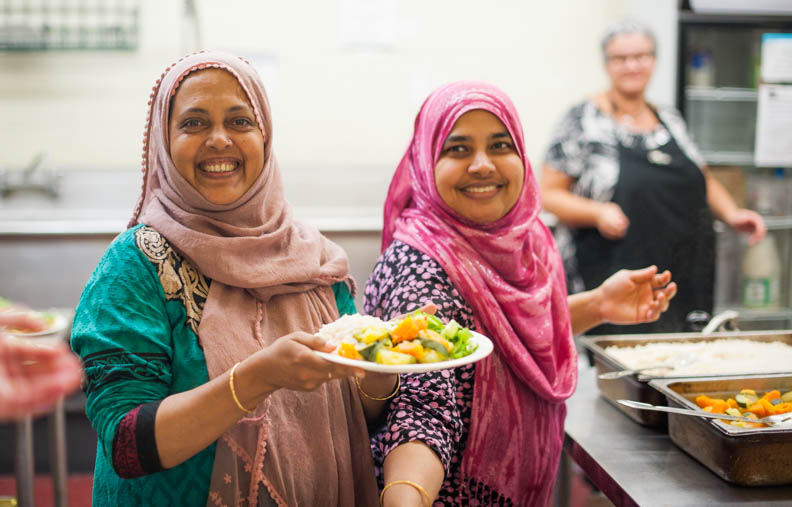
744 456
636 387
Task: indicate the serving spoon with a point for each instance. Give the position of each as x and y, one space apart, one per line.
623 373
771 420
678 362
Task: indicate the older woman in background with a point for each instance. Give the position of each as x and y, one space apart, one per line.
462 229
629 187
196 327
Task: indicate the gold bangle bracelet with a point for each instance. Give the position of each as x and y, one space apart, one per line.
391 395
233 391
411 483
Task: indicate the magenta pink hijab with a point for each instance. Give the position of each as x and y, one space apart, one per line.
510 273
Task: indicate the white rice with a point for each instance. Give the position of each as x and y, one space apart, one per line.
344 328
717 357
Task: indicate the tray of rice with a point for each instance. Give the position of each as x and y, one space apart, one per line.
746 454
682 355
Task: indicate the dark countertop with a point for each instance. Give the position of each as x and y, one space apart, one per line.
636 465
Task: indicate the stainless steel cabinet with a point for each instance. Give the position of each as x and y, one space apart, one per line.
717 79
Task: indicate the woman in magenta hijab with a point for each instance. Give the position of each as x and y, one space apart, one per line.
462 228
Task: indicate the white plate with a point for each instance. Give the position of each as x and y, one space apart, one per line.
58 325
484 349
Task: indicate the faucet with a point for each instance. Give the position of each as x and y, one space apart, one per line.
724 320
31 178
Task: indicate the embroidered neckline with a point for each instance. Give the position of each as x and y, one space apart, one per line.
179 279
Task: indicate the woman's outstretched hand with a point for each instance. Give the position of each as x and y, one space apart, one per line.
34 377
635 296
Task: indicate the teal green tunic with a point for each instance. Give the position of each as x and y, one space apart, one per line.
135 332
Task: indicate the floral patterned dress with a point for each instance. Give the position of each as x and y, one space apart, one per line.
432 407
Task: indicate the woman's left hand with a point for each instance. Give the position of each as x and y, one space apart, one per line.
749 222
636 296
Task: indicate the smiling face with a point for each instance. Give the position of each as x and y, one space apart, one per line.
215 141
629 62
479 174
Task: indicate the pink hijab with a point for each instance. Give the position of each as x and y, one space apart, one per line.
270 275
510 273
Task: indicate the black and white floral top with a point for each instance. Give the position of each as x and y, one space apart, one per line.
434 407
585 146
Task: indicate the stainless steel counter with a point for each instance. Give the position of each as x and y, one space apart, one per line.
635 465
44 268
50 245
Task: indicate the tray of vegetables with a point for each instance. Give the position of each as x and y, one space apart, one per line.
744 453
413 343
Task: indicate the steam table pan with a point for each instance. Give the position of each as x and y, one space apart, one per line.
637 386
744 456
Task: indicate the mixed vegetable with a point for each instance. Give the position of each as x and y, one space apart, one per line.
416 338
748 404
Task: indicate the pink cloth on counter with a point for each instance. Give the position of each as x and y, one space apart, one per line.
510 273
270 276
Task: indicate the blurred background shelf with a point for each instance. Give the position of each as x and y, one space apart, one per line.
723 19
758 313
756 319
741 158
778 223
721 94
722 122
38 25
773 223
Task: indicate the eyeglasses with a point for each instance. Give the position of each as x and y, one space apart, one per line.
639 58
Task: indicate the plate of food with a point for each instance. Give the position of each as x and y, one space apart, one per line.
413 343
54 320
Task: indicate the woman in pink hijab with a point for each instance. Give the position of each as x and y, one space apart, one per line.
196 329
462 229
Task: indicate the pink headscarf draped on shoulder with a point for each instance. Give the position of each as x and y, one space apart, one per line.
510 273
270 275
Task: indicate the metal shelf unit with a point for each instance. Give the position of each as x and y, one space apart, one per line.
40 25
722 120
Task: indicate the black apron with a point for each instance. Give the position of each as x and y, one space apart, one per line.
664 195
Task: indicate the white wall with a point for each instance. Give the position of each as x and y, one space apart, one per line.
336 108
662 17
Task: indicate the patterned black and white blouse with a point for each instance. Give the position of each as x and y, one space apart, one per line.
585 146
433 407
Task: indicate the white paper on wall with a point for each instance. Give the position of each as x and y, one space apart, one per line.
774 126
777 58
